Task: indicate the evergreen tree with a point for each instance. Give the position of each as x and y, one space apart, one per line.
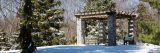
98 5
41 19
47 21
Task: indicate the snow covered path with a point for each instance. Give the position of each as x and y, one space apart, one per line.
95 49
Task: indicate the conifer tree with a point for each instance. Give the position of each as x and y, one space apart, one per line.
47 21
41 21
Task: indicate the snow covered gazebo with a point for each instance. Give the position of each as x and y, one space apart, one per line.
111 16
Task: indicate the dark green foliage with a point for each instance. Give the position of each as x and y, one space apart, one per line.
73 40
156 38
46 21
148 30
98 5
150 33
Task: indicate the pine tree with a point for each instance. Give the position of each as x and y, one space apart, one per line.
47 22
41 19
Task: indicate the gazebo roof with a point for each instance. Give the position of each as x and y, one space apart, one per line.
103 14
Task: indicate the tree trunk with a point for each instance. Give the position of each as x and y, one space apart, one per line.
25 37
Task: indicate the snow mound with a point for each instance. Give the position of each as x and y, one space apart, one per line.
141 48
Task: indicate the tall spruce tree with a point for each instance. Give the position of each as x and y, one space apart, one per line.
41 21
47 21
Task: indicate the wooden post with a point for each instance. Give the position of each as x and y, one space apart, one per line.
131 30
112 29
83 25
101 36
80 31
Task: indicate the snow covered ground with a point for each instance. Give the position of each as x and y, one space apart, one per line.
143 48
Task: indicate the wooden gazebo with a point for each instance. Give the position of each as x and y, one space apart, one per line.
111 16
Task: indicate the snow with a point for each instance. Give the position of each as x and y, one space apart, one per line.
141 48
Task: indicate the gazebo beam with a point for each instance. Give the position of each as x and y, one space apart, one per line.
94 17
118 13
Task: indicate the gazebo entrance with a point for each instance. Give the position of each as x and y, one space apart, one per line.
111 17
95 31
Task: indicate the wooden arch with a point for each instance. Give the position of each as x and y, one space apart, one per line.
111 16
